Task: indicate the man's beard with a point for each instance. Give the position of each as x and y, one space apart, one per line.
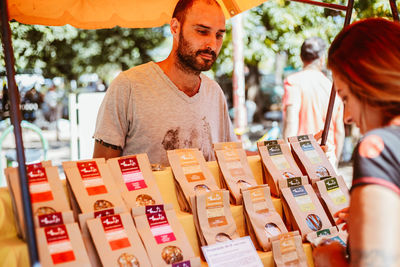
188 58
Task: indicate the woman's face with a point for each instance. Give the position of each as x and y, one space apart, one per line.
354 110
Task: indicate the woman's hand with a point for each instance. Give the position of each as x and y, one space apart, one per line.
330 253
343 217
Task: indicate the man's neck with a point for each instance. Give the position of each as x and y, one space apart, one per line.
187 82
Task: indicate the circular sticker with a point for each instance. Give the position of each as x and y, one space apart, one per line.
172 254
144 200
271 230
221 237
201 187
314 222
322 172
44 210
288 175
243 184
128 260
102 204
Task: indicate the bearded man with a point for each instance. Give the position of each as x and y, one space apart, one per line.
170 104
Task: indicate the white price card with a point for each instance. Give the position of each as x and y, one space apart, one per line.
238 252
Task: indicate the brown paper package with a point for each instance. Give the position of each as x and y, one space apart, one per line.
214 217
334 194
316 238
235 168
117 241
92 186
310 157
59 238
87 239
261 217
163 236
191 174
135 179
278 163
46 196
287 250
306 213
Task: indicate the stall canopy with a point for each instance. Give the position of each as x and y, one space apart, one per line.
96 14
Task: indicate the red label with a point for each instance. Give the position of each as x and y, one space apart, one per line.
131 173
151 209
51 219
59 245
160 227
115 232
182 264
39 187
91 177
30 167
103 213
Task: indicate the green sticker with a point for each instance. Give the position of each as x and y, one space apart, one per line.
302 138
295 181
331 183
323 232
270 142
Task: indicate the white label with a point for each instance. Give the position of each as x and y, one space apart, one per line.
231 253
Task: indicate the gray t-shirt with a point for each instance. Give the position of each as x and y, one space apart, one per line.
144 112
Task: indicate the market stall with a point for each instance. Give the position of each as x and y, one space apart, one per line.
58 15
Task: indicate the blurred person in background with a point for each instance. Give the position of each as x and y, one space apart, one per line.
365 62
306 97
51 100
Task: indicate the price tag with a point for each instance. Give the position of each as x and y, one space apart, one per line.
238 252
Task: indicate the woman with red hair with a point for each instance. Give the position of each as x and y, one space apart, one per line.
365 63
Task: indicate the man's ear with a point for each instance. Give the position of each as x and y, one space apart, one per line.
175 27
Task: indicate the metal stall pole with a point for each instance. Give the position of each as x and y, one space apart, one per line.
395 12
15 115
349 11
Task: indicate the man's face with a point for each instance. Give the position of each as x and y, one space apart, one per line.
200 37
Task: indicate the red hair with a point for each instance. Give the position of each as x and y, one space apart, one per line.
366 55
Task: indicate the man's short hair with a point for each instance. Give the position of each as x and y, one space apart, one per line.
184 5
313 48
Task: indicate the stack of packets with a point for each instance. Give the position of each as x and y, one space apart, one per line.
48 197
334 194
310 157
304 210
317 238
278 163
191 175
135 179
262 220
213 217
287 250
93 194
163 236
236 172
117 241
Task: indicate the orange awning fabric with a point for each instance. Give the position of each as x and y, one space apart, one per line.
100 14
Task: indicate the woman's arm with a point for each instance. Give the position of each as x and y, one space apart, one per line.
374 226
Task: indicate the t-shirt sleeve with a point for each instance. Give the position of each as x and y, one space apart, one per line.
112 122
376 161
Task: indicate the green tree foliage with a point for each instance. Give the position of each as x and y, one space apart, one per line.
69 52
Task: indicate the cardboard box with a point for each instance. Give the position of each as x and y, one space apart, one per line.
61 245
334 195
135 179
311 158
236 172
92 186
262 220
287 250
278 163
213 217
46 192
117 241
191 175
306 213
162 235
